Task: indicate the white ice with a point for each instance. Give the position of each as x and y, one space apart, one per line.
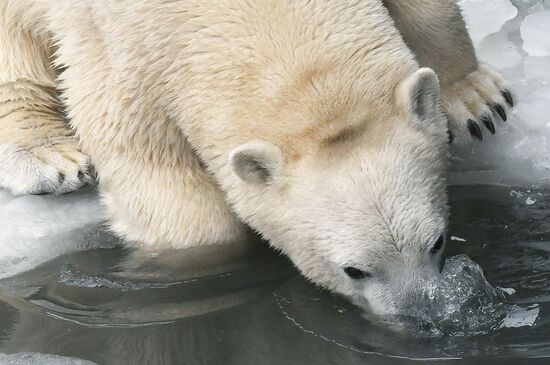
511 35
535 32
518 46
35 229
33 358
486 17
521 317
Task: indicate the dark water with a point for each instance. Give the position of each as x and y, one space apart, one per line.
111 306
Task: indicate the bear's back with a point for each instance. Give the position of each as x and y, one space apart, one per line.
238 68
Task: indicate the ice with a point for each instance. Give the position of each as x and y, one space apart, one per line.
508 291
30 358
517 43
480 23
35 229
521 317
497 51
536 70
458 239
535 32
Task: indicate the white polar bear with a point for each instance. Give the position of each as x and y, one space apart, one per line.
310 121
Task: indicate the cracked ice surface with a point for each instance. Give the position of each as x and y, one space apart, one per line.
519 47
36 229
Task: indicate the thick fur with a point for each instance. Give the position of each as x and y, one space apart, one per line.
310 121
38 152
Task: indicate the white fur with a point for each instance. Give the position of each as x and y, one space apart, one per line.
422 95
38 153
310 121
471 98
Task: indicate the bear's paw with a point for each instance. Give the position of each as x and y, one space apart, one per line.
477 104
48 166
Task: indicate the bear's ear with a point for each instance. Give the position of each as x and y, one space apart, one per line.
420 93
257 162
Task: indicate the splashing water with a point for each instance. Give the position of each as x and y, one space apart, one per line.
112 302
460 302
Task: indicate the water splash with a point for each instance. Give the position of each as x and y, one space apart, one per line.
461 302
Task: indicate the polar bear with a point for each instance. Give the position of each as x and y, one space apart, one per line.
322 125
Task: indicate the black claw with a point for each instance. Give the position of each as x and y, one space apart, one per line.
488 122
500 111
475 130
60 177
507 95
451 137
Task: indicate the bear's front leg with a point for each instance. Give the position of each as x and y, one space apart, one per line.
475 97
477 102
38 151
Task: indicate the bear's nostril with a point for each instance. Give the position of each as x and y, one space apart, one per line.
438 245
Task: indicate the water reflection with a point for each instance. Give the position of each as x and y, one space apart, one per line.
110 306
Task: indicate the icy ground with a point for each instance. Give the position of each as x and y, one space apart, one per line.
40 359
513 36
35 229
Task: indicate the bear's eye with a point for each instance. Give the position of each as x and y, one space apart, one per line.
437 246
355 273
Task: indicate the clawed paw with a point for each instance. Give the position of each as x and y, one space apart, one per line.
477 104
57 168
38 152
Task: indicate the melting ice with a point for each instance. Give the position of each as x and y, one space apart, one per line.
514 37
29 358
36 229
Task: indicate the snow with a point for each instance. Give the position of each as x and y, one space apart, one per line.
521 317
509 291
511 35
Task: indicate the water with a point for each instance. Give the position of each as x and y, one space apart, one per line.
459 303
112 306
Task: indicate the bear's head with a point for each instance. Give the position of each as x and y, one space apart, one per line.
362 210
